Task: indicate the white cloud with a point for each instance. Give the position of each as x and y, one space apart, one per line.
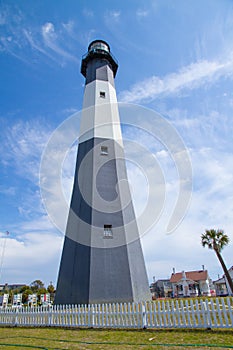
142 13
48 29
211 207
182 249
21 38
36 45
9 191
70 28
112 16
51 41
88 13
33 234
189 77
115 14
69 111
209 138
31 256
24 143
212 128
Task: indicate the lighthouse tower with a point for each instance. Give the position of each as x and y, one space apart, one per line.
102 259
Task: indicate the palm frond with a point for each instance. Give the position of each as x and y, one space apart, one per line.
214 239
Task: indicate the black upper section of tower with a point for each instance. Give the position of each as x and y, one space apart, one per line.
98 51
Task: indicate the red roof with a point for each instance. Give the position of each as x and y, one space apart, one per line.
190 275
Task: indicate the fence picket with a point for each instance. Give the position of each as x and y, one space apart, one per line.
203 309
173 315
230 308
192 313
178 314
213 313
181 309
144 317
188 320
224 312
159 314
151 315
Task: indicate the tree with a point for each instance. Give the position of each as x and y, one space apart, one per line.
50 288
25 295
217 240
36 286
25 290
41 291
51 291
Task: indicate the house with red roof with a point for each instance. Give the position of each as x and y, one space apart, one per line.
191 283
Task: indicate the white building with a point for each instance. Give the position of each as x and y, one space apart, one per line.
191 283
4 300
222 286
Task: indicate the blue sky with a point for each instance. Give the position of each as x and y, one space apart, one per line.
175 57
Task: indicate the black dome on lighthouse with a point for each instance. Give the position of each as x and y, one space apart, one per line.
99 49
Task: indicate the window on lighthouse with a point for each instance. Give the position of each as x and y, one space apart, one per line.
104 150
107 231
102 94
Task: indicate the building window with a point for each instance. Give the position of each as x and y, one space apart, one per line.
180 288
104 150
102 94
108 231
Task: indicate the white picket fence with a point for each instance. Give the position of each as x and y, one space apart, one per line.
189 313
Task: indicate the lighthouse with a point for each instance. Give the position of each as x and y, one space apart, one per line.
102 259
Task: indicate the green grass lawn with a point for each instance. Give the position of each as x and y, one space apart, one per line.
59 339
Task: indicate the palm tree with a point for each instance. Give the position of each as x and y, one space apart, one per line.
217 240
